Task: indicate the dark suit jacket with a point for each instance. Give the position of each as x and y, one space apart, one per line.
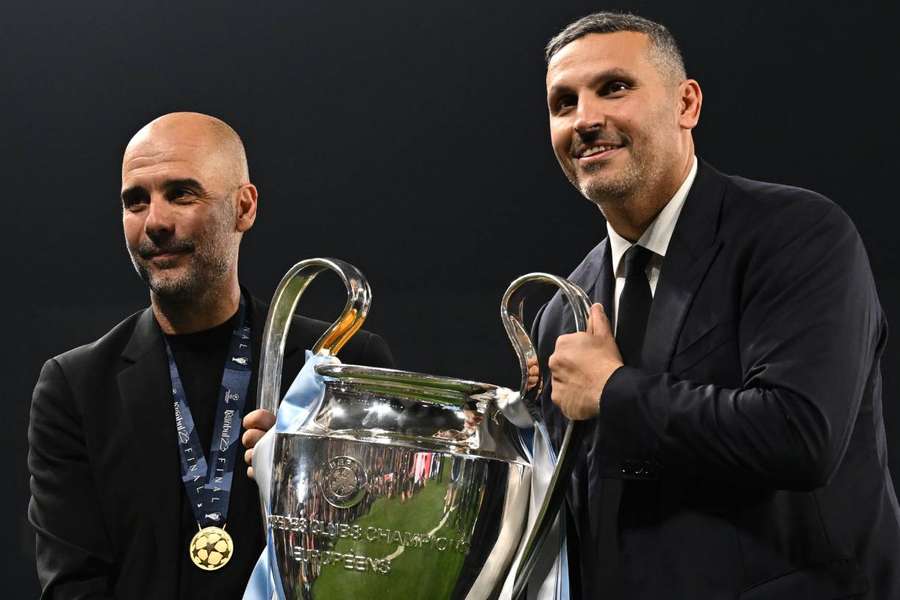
106 496
751 440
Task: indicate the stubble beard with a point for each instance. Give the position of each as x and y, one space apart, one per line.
206 268
200 276
630 185
600 190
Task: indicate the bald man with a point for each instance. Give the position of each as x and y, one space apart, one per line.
121 429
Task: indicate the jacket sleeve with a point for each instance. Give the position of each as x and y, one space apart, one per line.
74 559
810 334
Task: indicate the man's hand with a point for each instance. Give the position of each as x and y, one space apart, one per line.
580 366
256 424
534 372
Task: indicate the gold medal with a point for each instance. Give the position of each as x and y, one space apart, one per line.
211 548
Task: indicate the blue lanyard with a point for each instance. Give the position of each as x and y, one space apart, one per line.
209 490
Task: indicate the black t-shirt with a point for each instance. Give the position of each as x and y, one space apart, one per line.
200 358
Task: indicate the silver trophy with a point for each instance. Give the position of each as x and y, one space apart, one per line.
401 484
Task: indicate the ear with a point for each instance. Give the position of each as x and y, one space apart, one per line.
690 100
246 207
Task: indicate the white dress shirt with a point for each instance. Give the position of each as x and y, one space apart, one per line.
656 239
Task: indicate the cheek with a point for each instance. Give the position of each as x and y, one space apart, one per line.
623 122
132 225
657 127
196 222
210 229
561 143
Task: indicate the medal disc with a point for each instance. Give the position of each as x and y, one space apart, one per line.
211 548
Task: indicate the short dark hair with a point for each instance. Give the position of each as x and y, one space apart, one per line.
663 46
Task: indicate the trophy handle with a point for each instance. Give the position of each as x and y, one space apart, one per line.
511 314
278 321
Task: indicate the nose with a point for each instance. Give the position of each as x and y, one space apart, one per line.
589 115
160 221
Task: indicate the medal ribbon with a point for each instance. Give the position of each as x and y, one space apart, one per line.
209 489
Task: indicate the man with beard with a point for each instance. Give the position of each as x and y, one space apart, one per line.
133 438
730 371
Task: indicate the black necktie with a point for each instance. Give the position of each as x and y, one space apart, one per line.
634 305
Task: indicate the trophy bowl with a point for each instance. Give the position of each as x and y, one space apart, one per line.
401 486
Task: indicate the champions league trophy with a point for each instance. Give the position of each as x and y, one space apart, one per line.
400 484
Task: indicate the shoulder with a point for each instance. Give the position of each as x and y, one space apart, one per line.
780 213
779 237
106 348
81 375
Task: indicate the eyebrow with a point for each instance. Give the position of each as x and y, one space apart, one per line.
134 193
614 73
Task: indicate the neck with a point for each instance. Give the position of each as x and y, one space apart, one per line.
199 313
631 216
630 224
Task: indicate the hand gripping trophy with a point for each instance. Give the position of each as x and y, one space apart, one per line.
392 484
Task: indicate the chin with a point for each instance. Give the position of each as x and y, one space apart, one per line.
604 187
604 191
172 288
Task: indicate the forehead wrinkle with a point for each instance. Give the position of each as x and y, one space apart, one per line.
150 171
151 165
157 176
149 158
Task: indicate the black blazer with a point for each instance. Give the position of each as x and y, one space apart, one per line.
751 440
106 496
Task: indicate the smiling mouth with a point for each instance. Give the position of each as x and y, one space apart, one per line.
600 150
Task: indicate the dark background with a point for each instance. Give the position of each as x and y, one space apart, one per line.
408 138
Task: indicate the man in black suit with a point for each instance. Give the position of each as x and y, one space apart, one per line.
112 517
730 372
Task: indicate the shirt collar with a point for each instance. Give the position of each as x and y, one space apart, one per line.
657 236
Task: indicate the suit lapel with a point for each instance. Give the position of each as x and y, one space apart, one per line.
144 390
597 281
691 251
605 284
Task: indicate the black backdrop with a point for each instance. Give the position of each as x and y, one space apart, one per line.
408 138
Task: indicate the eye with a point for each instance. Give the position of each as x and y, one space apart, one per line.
181 196
564 103
134 207
134 201
614 88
